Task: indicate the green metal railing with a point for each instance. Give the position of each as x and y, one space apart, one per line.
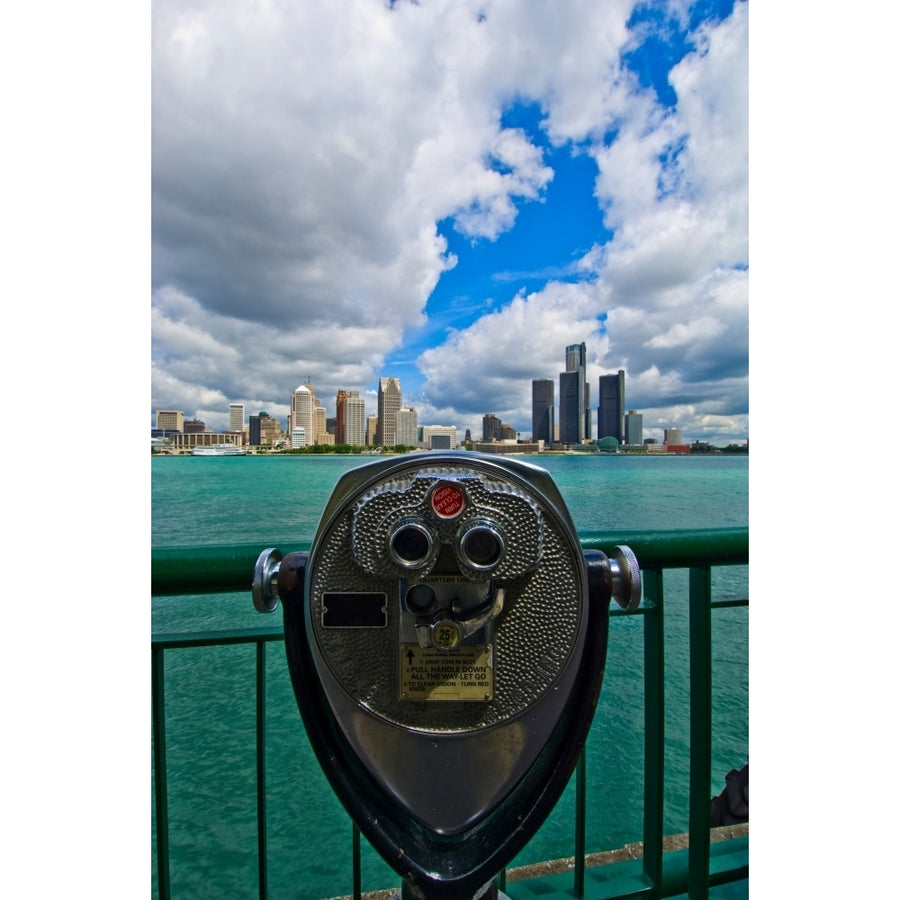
219 570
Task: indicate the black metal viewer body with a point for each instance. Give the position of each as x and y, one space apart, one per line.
446 639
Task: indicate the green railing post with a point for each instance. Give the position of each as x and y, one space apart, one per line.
699 600
261 832
654 727
357 864
160 778
580 820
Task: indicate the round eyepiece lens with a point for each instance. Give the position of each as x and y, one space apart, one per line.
482 547
411 545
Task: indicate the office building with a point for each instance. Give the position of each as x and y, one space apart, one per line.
611 407
439 437
542 410
634 428
354 420
320 426
194 426
390 399
169 420
574 397
236 417
407 426
490 428
371 429
303 416
340 418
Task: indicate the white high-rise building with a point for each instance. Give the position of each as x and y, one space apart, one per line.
303 405
236 417
355 409
407 420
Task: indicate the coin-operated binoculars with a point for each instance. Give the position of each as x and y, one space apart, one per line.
446 639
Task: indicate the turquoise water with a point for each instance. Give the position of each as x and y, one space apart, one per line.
210 691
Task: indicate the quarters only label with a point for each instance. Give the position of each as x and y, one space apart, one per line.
464 673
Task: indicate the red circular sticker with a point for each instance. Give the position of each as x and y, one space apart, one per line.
447 501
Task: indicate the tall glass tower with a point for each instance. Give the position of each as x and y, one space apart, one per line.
574 397
611 407
390 399
542 412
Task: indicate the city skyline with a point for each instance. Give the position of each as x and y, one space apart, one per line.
500 206
569 423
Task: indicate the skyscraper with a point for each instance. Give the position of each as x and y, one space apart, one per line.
303 404
611 407
236 417
542 411
407 426
574 397
340 418
634 428
355 420
390 399
490 428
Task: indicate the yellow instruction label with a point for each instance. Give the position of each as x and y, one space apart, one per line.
464 673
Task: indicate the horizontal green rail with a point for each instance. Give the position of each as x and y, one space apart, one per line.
226 569
219 570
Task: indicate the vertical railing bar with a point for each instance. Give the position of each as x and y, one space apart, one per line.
699 598
262 834
160 776
580 819
357 864
654 728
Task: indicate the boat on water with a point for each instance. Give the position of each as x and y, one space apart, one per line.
219 450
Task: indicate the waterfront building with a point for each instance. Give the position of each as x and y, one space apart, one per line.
354 420
303 404
490 428
255 435
236 417
340 418
169 420
194 426
184 443
634 428
542 411
371 429
269 430
407 426
611 407
390 399
574 397
502 447
320 426
298 438
439 437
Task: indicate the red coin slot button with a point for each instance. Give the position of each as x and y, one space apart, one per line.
447 501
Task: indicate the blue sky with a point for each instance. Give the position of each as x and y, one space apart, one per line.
451 193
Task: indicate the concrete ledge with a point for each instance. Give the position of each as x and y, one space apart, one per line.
629 852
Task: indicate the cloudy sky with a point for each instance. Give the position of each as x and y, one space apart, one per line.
451 192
